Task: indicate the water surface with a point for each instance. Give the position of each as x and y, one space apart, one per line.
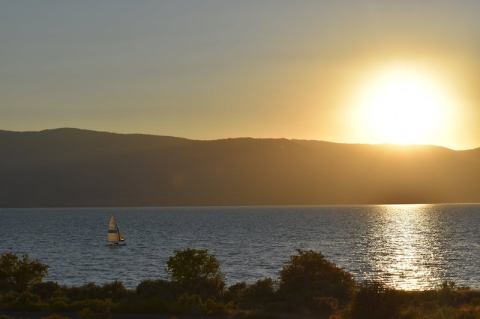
405 246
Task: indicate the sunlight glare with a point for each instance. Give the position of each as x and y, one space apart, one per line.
404 106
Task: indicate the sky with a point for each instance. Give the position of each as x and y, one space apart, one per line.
218 69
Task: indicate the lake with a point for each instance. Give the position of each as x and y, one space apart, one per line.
405 246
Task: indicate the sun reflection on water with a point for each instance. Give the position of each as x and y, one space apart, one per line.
404 251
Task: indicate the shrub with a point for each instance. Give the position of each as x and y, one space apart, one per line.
55 316
96 305
58 303
190 304
449 294
374 300
87 313
196 272
157 288
26 301
46 290
235 292
93 309
212 307
20 274
114 290
8 299
258 294
87 291
308 275
324 306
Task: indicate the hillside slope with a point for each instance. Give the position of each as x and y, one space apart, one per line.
71 167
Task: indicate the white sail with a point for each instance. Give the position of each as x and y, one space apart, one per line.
113 232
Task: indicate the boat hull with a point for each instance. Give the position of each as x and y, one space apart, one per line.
117 244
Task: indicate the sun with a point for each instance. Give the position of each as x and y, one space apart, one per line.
403 105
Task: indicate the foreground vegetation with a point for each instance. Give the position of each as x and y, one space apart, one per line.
309 286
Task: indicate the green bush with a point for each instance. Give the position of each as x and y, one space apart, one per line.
308 275
7 299
27 301
309 286
58 303
93 308
235 292
212 307
259 294
96 305
20 274
55 316
114 290
324 306
87 313
190 304
196 272
46 290
162 289
374 300
147 305
87 291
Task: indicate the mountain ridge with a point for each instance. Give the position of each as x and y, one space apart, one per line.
76 167
80 130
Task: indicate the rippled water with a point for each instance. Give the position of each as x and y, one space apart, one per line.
406 246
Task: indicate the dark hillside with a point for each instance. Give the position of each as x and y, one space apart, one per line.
71 167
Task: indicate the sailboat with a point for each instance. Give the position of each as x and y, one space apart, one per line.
114 236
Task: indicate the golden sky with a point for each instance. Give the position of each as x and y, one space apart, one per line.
216 69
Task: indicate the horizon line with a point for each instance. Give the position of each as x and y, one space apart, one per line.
237 206
244 137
